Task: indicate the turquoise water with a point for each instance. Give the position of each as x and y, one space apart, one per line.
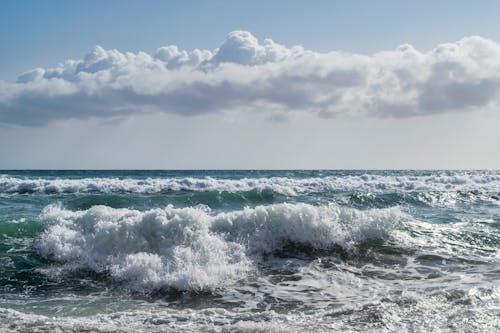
193 251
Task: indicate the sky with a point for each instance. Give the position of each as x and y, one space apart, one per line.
245 85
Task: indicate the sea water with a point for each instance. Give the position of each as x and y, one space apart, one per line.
249 251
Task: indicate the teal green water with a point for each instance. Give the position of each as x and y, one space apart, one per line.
250 250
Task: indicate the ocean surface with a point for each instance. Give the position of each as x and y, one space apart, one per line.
250 251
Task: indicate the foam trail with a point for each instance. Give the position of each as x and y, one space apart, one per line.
440 316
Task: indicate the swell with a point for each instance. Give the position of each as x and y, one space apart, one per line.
18 228
421 199
214 199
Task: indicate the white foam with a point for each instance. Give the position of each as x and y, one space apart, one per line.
191 248
485 181
146 249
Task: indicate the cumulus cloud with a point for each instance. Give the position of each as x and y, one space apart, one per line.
258 76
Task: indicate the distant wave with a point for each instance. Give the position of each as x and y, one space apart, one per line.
192 249
485 182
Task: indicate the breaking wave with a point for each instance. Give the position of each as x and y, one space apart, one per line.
192 248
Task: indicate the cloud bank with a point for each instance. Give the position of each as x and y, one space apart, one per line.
245 74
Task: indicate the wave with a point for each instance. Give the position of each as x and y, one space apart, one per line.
193 249
488 182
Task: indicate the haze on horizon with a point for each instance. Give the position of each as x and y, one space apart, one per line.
202 85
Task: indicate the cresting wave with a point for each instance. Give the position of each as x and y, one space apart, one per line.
458 181
193 249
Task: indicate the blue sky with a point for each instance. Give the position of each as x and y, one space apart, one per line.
43 33
196 84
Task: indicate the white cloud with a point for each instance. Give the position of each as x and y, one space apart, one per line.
246 74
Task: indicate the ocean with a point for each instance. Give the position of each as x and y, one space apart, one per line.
250 251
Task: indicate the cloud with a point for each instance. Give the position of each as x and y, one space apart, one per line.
258 76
